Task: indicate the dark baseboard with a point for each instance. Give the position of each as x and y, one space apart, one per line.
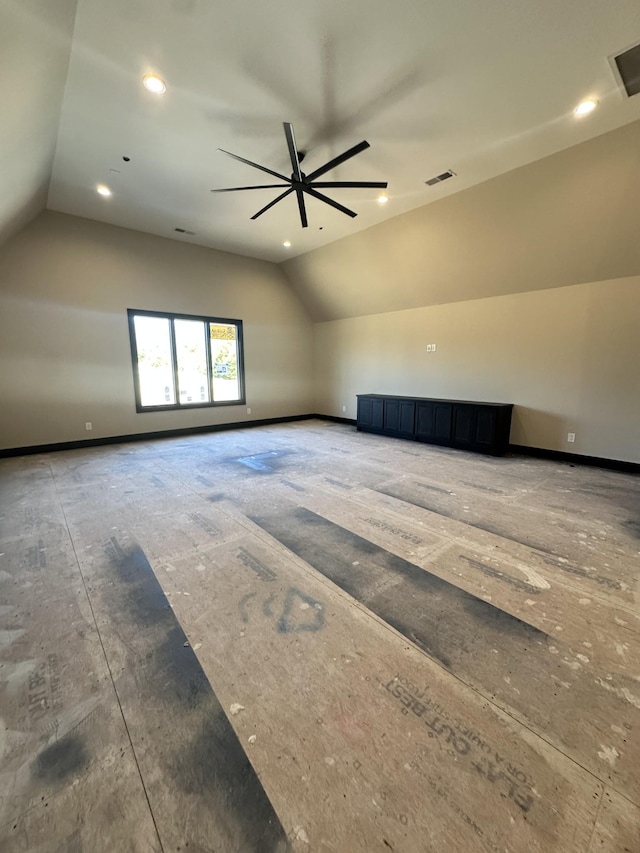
576 458
336 420
148 436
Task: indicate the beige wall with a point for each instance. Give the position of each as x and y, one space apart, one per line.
65 285
569 358
568 219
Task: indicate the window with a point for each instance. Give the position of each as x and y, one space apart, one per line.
181 361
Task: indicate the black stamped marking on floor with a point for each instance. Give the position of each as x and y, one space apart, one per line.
255 564
294 618
448 623
179 729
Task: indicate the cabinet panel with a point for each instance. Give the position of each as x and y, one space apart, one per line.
392 415
407 417
399 416
364 411
370 412
464 423
433 422
377 413
442 422
485 426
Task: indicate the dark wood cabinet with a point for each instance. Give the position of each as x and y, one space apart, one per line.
399 417
433 421
468 425
371 413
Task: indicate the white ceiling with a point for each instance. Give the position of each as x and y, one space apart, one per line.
480 88
35 41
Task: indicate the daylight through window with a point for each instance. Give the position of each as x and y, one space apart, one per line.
183 361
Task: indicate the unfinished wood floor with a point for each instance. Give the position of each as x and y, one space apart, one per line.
305 638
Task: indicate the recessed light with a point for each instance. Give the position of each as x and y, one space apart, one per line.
286 244
154 84
383 199
586 107
102 190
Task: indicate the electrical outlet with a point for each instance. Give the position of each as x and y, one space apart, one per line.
571 436
433 347
344 408
429 347
88 426
248 411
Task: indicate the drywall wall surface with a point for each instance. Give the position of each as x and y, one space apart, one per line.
35 45
570 218
65 359
569 359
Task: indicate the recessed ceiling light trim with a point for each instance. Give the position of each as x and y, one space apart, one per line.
154 84
382 199
287 244
103 191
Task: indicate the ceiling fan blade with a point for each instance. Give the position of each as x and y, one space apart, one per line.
255 165
380 185
330 201
271 203
302 208
293 151
361 146
261 187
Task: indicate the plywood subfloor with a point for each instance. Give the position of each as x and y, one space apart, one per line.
303 638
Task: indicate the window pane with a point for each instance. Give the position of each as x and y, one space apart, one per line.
224 361
192 361
154 361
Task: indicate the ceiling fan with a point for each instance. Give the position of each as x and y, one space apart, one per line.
301 183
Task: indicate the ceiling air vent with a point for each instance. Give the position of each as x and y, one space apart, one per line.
184 231
628 65
439 178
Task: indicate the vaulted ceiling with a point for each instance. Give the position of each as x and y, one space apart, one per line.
479 88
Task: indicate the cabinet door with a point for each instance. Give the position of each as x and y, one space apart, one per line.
370 412
485 434
399 417
464 425
433 422
475 427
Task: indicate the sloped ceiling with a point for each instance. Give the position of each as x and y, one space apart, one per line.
570 218
35 45
481 88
